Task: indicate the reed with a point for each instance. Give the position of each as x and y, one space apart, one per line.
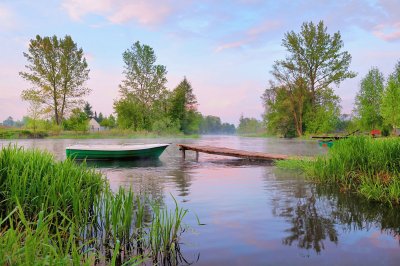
70 211
24 242
164 233
370 166
38 182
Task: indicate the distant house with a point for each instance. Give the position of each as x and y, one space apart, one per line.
94 126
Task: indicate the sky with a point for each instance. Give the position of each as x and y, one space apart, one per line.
226 49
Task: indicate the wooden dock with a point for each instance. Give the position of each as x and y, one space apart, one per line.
251 155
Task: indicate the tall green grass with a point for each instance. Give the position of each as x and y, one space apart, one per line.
369 166
70 214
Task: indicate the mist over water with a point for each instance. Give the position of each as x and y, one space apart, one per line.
254 213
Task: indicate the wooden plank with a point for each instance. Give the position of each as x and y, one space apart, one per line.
329 137
233 152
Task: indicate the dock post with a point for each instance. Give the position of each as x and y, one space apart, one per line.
183 154
197 156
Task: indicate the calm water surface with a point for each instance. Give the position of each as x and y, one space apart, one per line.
254 213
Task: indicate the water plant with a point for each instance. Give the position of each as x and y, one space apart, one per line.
369 166
70 213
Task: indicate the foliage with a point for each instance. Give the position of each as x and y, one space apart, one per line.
182 106
314 62
88 110
78 121
317 57
193 121
143 92
57 70
285 107
368 100
130 113
166 126
390 108
326 115
100 117
34 111
277 117
249 125
9 122
108 122
212 125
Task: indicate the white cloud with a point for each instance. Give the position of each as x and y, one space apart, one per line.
8 20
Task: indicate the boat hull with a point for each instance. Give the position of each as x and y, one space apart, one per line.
326 143
82 154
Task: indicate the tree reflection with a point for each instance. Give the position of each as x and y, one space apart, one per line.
317 212
309 229
182 178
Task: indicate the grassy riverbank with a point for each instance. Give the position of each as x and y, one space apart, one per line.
117 134
371 167
16 133
61 213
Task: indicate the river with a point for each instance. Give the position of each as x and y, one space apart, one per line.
254 213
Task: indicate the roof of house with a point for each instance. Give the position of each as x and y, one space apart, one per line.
93 122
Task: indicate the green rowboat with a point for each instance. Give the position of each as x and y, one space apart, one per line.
325 143
116 152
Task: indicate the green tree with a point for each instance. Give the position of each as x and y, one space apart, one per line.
183 105
108 122
100 118
390 107
294 92
277 116
35 112
316 56
210 125
368 100
326 116
315 61
58 71
143 86
78 121
88 109
9 122
130 113
227 128
249 125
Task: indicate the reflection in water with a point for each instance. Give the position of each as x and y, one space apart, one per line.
182 178
123 163
313 212
309 227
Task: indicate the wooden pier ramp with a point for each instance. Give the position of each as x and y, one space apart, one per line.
251 155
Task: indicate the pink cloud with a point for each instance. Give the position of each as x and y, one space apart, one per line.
387 32
145 12
76 9
230 45
251 35
150 12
